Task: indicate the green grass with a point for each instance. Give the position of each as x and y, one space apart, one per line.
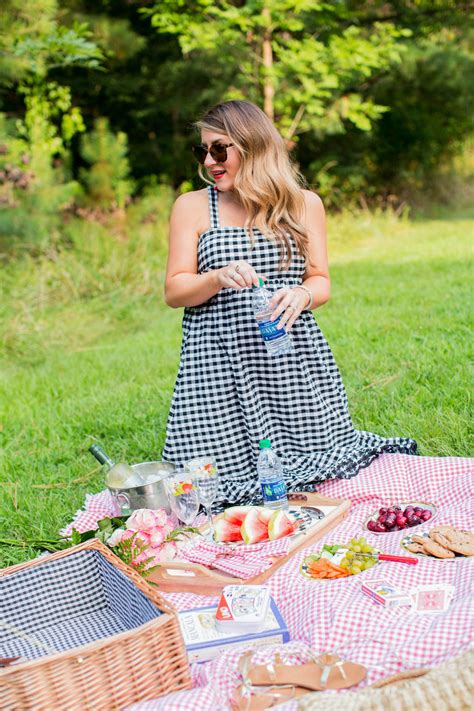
90 352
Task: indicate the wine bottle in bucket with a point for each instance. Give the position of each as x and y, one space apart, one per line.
119 475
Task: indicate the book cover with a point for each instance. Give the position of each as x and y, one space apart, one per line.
204 642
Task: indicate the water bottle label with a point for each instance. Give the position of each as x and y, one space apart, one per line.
273 490
270 330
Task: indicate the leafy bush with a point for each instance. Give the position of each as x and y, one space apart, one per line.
107 180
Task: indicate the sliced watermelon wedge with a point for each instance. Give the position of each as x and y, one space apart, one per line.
279 525
254 528
225 531
265 513
236 514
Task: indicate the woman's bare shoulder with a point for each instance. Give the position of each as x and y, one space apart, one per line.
312 200
191 210
192 199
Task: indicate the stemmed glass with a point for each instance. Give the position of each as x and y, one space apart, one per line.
204 474
183 496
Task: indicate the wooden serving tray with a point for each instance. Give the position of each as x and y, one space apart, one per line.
196 578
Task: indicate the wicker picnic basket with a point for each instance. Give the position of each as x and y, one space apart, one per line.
92 632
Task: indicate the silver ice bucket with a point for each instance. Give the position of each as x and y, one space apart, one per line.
151 494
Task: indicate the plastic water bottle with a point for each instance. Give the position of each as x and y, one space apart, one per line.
270 476
277 340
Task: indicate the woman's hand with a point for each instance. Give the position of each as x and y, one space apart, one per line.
237 275
289 304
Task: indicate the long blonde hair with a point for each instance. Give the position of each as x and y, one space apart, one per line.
267 183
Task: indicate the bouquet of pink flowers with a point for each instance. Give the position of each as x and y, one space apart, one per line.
146 539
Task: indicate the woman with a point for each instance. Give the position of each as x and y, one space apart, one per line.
254 220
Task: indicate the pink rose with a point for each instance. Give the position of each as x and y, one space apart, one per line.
157 536
161 517
143 519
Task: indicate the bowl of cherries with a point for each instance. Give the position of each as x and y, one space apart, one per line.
389 519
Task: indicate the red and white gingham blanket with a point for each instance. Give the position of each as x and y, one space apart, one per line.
335 615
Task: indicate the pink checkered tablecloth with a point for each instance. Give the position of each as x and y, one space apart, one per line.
335 615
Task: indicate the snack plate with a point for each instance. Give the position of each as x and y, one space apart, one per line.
304 571
424 534
305 516
403 504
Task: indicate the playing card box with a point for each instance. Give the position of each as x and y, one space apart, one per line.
243 608
385 593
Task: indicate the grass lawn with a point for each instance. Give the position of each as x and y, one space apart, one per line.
90 353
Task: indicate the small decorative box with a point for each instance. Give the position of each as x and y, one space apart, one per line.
242 608
384 593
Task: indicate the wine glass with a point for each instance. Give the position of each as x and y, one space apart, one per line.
183 496
204 474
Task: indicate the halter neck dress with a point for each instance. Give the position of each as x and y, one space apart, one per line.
230 393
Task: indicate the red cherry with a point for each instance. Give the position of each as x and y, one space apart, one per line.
426 515
379 528
371 525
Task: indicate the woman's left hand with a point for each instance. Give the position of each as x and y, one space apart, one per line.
289 304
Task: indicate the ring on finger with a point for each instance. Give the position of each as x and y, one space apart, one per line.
291 308
237 268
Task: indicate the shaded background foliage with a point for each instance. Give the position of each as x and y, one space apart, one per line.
374 98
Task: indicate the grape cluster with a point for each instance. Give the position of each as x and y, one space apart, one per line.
394 519
353 562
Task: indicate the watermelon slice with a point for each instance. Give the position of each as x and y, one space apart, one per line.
265 513
254 528
279 525
225 531
236 514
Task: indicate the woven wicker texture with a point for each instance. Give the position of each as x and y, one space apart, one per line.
142 663
448 687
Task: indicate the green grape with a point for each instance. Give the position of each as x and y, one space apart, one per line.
367 549
371 562
344 563
354 569
350 554
365 565
356 548
362 541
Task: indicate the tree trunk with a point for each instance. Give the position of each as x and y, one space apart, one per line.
267 57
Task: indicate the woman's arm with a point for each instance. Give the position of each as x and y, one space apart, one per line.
183 285
316 276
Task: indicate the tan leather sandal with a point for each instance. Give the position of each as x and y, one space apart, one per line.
328 671
252 697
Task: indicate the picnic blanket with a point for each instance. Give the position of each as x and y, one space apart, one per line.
335 615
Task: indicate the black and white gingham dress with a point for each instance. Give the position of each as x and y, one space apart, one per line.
230 393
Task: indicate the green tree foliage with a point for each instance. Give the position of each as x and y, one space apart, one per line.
49 120
307 77
107 180
369 93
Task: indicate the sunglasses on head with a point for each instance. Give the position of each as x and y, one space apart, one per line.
218 152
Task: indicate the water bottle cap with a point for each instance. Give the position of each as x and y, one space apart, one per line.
264 444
